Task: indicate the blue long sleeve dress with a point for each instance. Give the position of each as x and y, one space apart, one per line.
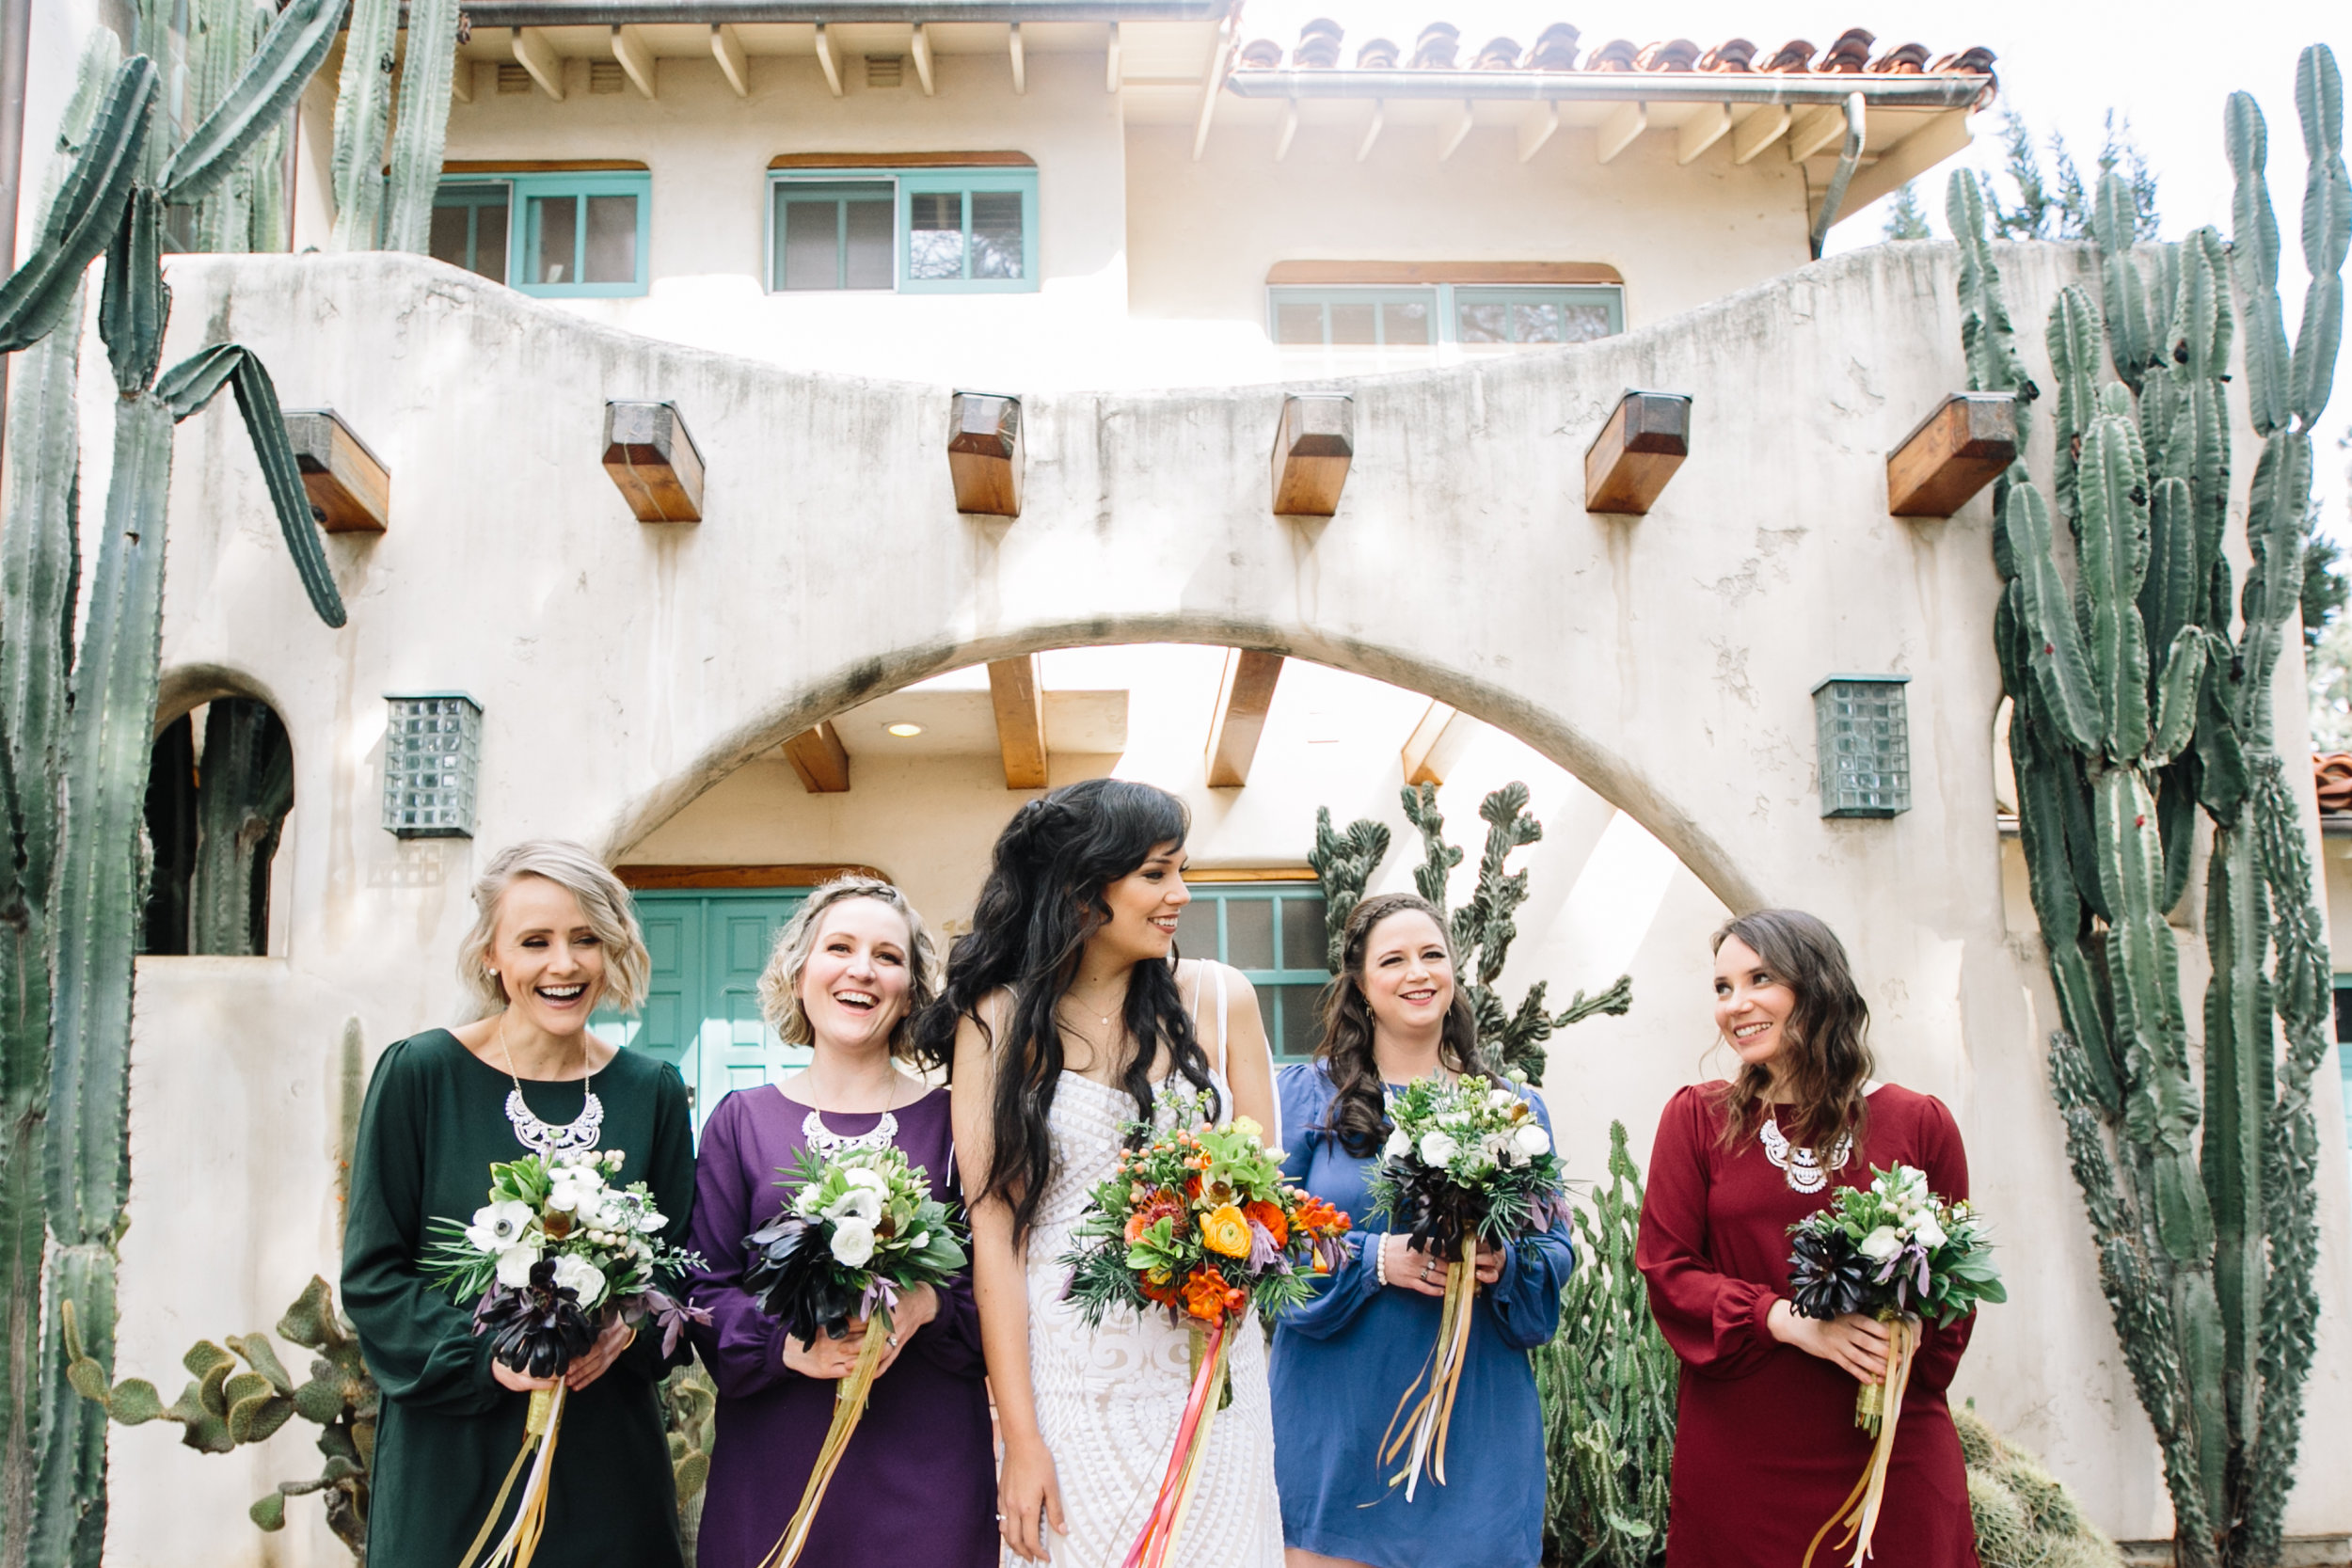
1341 1361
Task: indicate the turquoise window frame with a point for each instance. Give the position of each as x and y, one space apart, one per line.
910 183
1290 969
522 230
474 196
2344 1055
1444 301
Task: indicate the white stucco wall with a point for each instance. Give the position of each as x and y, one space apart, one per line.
1664 662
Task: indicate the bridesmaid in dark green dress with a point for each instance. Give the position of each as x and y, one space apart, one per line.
555 937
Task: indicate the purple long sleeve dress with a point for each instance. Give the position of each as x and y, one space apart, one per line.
918 1486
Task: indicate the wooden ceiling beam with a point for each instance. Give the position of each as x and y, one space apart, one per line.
1244 694
1019 698
820 760
1419 757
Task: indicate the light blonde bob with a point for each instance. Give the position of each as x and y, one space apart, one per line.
780 983
610 912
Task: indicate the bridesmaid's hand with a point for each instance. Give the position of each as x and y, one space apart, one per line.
509 1378
1026 1488
586 1369
1490 1261
916 1308
1855 1342
827 1358
1411 1268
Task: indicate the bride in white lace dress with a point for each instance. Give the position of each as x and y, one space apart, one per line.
1067 1013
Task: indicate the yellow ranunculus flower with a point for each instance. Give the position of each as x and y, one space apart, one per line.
1225 1230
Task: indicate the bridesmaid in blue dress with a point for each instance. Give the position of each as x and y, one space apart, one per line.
1341 1361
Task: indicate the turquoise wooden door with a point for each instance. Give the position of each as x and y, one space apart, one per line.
700 1011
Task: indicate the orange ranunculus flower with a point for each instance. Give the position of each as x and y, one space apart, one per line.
1314 1215
1224 1231
1207 1296
1270 1215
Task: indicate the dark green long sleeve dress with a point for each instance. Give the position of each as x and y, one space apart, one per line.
434 1122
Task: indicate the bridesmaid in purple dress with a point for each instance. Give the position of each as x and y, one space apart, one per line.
918 1485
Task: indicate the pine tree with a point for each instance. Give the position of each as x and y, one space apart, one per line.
1905 218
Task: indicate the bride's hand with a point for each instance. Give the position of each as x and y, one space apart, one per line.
1411 1268
1026 1488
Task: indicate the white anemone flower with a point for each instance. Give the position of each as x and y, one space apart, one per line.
872 1181
1881 1243
515 1266
852 1243
575 1273
498 1226
862 1204
575 1191
1501 1100
1531 1138
1400 1144
1927 1232
1437 1149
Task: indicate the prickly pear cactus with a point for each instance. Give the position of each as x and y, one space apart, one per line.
2141 692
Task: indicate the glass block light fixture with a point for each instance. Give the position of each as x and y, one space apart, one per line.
432 755
1865 745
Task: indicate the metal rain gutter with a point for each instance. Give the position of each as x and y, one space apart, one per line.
1637 86
1847 156
647 13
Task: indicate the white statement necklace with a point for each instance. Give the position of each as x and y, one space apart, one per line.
582 1131
1804 1167
826 1142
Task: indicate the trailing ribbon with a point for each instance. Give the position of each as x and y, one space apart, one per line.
541 1424
1859 1513
1431 1417
848 1407
1157 1542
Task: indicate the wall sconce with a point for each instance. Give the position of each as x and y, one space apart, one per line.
1865 745
432 758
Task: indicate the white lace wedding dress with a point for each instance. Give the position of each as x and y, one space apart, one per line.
1108 1398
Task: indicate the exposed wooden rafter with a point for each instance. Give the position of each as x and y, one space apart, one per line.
534 54
1708 124
1422 757
820 760
728 48
1019 698
922 51
1751 135
1625 122
1020 59
830 58
1539 127
1450 132
1244 694
636 56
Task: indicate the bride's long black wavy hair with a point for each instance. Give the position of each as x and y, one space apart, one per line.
1042 899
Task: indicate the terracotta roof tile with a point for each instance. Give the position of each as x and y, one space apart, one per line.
1376 54
1673 54
1730 55
1318 45
1850 54
1796 55
1261 54
1439 48
1616 55
1904 59
1555 48
1498 55
2332 775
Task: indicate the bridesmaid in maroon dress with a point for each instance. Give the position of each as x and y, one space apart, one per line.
1765 1445
917 1487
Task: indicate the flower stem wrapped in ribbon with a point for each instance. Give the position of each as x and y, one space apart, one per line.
556 1254
1197 1223
863 1229
1895 1251
1466 1163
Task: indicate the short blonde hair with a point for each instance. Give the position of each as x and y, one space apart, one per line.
611 915
780 983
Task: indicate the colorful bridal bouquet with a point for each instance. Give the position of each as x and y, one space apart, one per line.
863 1229
1197 1223
557 1254
1897 1252
1465 1163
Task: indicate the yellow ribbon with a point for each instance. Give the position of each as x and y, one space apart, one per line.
1859 1513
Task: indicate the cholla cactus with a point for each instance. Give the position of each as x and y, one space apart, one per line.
2136 709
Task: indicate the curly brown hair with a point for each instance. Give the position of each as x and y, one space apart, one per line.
1828 1048
1358 1115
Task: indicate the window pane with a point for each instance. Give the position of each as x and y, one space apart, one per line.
995 233
448 241
1249 933
1406 323
1535 323
557 220
1299 324
935 240
1351 324
489 241
1302 1024
1482 322
1304 942
611 240
811 251
870 263
1585 322
1195 928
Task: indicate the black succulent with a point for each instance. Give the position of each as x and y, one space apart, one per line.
791 1274
1827 1278
535 1330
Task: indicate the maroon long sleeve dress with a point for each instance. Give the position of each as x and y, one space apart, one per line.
1765 1443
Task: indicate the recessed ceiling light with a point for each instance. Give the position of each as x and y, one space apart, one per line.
903 730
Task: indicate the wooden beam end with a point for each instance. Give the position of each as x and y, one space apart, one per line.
819 758
350 489
1018 696
653 462
1314 442
985 456
1958 450
1637 452
1245 693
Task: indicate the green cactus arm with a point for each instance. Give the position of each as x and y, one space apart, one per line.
2176 816
87 210
136 303
2254 251
248 787
2111 493
2177 691
1986 334
417 139
2274 585
2055 642
1344 864
296 45
2131 332
363 104
2073 338
2238 1049
2327 231
188 386
2197 454
2170 593
2223 777
1438 858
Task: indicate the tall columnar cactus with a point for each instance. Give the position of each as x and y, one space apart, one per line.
424 126
1481 931
248 788
2141 697
75 735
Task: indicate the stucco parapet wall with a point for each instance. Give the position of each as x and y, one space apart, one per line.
577 13
1657 658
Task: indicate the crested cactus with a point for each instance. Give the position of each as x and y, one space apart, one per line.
73 774
2142 696
1481 931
